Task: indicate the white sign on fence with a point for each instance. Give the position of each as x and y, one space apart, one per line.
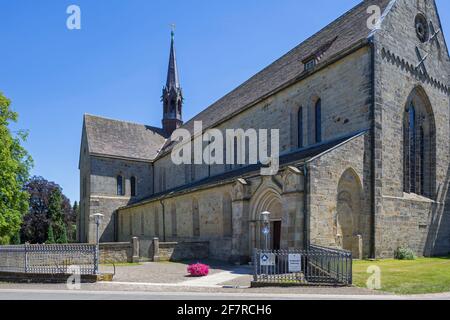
295 262
267 259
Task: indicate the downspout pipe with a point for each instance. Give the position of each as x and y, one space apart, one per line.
164 219
373 155
305 207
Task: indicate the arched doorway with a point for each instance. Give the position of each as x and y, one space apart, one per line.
348 214
269 200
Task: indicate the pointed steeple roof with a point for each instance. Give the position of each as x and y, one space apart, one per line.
172 72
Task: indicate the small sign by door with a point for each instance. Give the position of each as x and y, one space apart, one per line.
295 262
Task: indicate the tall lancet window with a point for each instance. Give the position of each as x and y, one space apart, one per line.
419 147
120 189
318 120
133 186
300 127
412 147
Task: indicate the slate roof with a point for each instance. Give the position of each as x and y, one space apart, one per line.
341 34
122 139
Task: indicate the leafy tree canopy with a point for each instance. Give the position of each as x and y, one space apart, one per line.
15 164
44 210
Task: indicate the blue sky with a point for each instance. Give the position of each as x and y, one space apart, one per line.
115 66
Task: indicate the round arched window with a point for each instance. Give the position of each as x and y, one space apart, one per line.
422 28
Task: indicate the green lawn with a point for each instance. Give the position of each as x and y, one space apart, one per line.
424 275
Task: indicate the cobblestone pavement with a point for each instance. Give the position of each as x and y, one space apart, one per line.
170 272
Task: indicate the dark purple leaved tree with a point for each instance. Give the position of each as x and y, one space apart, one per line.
36 222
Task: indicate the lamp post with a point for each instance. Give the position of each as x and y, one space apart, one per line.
97 219
265 218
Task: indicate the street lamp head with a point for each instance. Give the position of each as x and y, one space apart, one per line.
97 217
265 216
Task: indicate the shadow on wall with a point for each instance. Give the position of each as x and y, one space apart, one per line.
438 237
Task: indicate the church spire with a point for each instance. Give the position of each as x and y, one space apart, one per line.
172 94
172 72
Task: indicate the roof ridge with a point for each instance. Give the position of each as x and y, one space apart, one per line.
122 121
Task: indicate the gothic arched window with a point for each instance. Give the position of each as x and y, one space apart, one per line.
300 127
318 120
133 186
120 188
419 146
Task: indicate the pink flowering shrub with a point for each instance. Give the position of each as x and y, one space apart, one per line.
198 270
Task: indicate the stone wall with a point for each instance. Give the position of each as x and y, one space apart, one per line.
101 195
116 252
172 220
327 175
406 219
182 251
226 215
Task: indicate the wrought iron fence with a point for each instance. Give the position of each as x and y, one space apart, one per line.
317 265
49 258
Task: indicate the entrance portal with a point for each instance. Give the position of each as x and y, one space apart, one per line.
268 201
276 232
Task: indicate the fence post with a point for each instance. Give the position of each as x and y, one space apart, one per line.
351 269
26 258
135 245
255 265
155 249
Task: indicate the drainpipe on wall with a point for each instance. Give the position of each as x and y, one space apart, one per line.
305 207
373 156
153 177
164 219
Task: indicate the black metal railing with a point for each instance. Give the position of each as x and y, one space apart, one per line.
49 258
315 266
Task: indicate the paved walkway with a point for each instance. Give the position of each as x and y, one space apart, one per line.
175 274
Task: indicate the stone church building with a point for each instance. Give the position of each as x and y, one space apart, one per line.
364 117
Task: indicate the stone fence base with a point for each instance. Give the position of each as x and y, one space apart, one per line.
152 250
17 277
179 251
119 252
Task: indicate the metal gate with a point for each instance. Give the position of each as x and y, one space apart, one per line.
315 266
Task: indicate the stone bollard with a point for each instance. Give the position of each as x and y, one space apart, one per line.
135 248
358 247
155 249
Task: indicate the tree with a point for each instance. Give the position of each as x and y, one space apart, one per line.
50 236
15 164
63 236
72 223
56 215
37 221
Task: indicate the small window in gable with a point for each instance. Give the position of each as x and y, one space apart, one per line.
310 64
